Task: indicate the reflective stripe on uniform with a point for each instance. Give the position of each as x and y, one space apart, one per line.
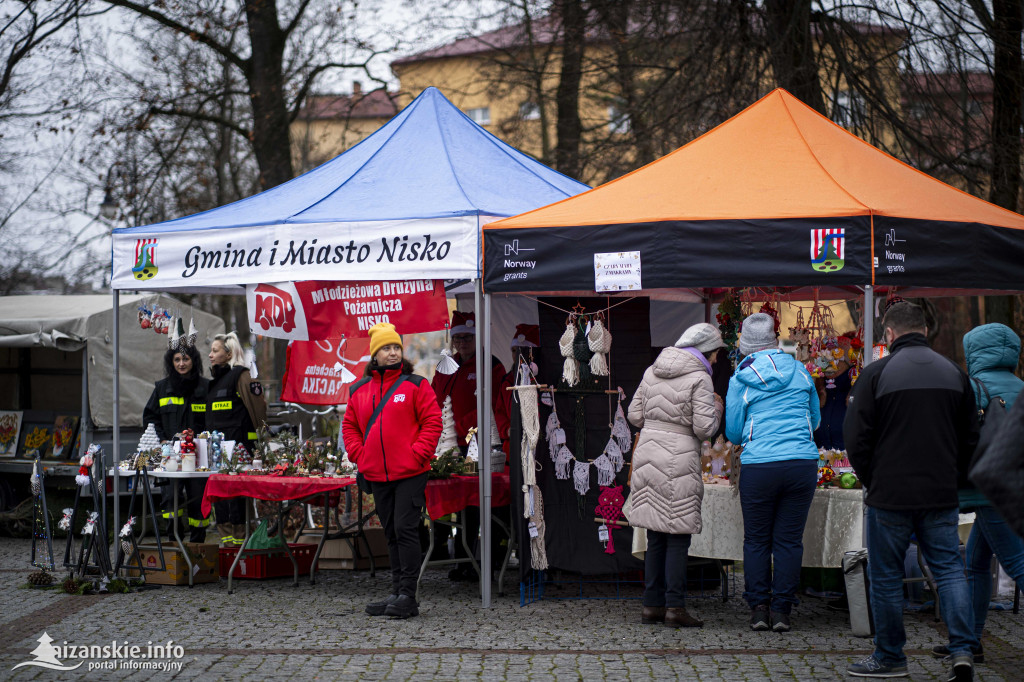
199 407
199 523
253 435
222 405
171 400
168 515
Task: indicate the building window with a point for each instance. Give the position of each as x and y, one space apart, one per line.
529 111
618 121
481 116
848 109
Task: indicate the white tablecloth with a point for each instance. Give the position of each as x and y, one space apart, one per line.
834 525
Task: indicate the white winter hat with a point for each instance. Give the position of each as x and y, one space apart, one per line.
704 337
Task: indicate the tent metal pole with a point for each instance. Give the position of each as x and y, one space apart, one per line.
707 308
115 444
481 426
485 498
869 323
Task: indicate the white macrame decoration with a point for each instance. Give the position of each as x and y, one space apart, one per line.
605 470
531 432
538 553
599 340
447 364
581 477
449 439
563 461
620 430
571 367
614 455
549 431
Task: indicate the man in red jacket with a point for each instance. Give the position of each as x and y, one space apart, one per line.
462 387
391 428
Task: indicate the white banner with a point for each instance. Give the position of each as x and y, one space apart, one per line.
395 249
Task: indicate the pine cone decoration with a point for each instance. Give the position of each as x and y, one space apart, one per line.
40 578
126 547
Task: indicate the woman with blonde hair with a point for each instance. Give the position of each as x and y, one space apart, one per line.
236 407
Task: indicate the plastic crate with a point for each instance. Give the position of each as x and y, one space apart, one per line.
274 564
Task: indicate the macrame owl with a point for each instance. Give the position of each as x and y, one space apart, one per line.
609 508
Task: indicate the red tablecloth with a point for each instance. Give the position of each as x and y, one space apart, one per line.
449 495
274 488
444 495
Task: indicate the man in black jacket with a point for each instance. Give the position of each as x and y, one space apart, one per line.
910 431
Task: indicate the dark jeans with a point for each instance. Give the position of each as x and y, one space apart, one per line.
400 508
889 535
665 569
990 534
775 498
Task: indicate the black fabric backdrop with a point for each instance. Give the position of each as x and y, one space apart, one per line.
571 534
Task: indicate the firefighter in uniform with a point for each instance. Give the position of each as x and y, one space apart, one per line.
178 402
236 407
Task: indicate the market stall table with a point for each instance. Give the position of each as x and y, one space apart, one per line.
176 476
274 489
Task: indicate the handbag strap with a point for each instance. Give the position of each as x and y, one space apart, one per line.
382 403
984 389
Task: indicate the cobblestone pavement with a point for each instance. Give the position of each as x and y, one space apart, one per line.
272 630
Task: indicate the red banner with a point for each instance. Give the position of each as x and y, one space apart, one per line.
308 311
320 372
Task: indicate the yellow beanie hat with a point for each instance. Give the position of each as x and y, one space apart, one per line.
381 335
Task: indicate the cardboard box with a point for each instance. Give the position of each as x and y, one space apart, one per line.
204 564
337 554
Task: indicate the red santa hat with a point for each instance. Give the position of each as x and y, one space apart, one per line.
463 323
526 336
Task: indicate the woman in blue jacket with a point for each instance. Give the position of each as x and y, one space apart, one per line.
992 352
772 410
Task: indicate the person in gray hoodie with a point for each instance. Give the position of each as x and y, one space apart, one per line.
676 408
772 410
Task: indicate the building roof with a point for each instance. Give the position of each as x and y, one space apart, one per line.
378 103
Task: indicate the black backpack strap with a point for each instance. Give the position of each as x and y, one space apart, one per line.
984 389
380 406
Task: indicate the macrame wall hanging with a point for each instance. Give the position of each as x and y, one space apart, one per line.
571 367
609 508
531 432
538 552
599 341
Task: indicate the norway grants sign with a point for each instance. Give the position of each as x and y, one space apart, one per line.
305 311
320 372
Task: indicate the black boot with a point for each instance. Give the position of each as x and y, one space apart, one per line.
377 608
403 607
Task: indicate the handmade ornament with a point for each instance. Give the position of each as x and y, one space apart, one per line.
620 427
90 523
473 451
571 367
145 316
85 464
193 335
449 439
581 477
563 463
605 470
531 432
538 551
609 508
126 536
614 455
599 340
65 521
148 440
447 364
35 480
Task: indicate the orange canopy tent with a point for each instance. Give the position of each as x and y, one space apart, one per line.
778 195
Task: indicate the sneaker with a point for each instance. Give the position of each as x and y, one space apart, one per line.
759 618
403 607
942 651
652 615
377 608
963 669
872 667
780 621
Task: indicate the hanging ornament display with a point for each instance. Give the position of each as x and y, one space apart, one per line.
800 335
571 367
599 340
605 470
145 316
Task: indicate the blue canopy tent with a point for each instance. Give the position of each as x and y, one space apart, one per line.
405 203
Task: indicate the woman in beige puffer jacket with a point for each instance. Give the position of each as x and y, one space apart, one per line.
676 408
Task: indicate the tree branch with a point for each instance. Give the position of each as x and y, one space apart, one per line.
200 116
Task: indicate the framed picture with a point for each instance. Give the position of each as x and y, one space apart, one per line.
62 438
34 440
10 429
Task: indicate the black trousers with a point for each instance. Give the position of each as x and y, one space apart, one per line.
230 511
190 507
400 508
